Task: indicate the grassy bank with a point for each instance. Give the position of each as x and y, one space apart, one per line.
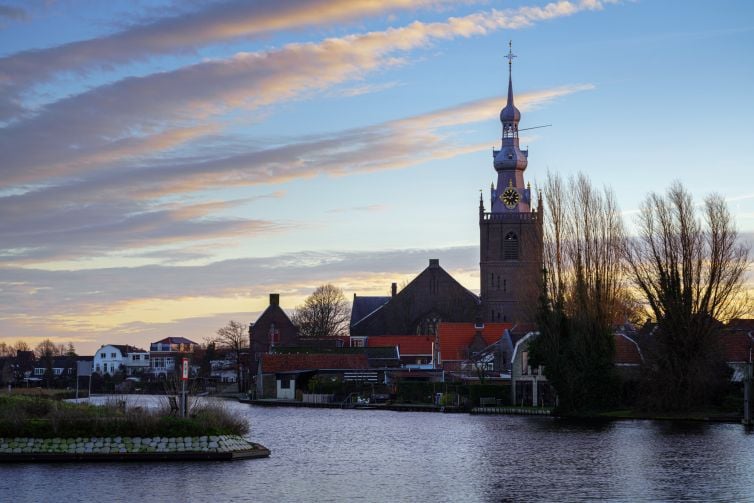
43 417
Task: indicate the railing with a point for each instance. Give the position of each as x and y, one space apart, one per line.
508 217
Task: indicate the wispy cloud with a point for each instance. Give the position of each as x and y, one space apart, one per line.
13 13
95 123
117 207
213 23
130 303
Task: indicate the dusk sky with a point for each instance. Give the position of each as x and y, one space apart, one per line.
167 164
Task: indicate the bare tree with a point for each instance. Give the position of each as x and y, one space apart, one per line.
45 351
21 346
584 292
690 270
6 350
233 337
325 313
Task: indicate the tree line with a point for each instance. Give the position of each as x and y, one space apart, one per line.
684 268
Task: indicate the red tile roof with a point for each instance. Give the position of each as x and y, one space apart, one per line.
737 345
455 338
291 362
626 351
407 344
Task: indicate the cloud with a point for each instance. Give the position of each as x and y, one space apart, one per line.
110 227
114 210
13 13
60 139
125 303
213 23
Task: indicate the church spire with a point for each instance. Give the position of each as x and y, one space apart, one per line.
510 161
510 115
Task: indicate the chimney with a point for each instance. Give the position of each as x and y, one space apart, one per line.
393 289
434 262
274 299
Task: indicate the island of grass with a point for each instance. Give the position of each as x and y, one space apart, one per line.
39 428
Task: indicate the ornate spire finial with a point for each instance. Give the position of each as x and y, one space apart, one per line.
510 56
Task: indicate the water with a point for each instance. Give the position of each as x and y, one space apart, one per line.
358 455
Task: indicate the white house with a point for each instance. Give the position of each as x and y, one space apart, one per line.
113 358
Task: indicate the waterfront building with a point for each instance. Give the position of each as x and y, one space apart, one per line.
165 355
112 358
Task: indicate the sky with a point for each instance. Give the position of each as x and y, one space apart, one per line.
165 165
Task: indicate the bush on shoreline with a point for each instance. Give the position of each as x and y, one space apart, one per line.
41 417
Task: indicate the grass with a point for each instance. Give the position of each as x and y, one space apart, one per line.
43 417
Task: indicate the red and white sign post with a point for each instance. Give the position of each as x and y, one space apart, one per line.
184 378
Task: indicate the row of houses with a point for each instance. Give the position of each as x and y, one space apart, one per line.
450 352
160 362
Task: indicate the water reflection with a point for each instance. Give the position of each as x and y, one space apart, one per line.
336 455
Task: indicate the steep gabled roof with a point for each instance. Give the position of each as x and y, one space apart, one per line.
272 363
364 306
455 338
407 344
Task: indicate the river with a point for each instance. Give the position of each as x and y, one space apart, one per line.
362 455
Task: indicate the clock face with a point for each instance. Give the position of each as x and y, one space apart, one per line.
510 197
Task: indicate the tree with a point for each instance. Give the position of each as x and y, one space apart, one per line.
70 350
21 346
233 337
690 271
45 352
6 350
584 293
325 313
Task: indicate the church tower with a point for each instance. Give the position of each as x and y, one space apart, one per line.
510 234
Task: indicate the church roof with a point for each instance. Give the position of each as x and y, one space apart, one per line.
363 306
455 338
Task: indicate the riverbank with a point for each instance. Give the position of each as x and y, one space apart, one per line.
210 448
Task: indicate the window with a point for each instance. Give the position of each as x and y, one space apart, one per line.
39 371
285 384
525 363
510 246
102 355
112 355
136 357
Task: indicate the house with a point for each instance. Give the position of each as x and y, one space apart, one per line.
461 346
164 355
412 350
431 297
286 373
272 329
529 386
64 368
628 355
737 340
112 358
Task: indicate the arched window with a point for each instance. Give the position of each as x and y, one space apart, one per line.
510 246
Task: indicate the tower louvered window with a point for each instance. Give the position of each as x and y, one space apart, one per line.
510 246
